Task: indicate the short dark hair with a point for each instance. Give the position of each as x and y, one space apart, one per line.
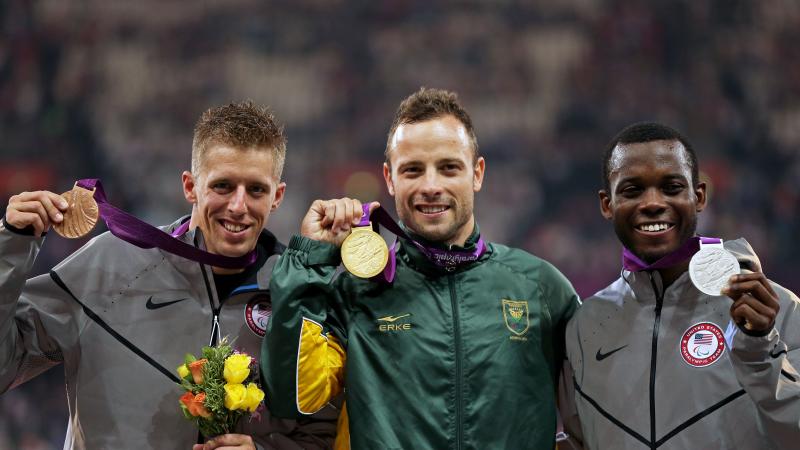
428 104
647 132
243 126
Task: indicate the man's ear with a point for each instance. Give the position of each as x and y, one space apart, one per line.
700 194
478 173
188 182
279 192
387 176
605 204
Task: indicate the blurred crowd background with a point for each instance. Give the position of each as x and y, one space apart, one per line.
112 89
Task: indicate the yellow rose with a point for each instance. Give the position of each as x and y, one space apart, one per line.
183 371
235 395
253 397
237 368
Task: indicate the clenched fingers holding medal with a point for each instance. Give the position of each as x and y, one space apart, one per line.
345 223
38 211
755 303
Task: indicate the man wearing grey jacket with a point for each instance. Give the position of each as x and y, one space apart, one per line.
659 364
121 318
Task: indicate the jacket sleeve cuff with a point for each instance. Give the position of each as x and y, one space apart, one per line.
749 348
27 231
315 253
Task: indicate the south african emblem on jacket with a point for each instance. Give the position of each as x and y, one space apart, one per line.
515 314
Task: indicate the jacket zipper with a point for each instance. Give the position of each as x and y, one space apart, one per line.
215 329
457 335
653 357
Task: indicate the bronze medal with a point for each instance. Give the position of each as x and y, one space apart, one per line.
364 252
81 215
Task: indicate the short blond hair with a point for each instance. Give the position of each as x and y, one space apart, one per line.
242 126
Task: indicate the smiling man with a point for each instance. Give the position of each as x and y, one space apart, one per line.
656 362
121 318
447 355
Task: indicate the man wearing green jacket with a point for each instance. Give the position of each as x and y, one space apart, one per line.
460 350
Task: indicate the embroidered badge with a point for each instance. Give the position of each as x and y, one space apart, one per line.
515 314
702 344
257 314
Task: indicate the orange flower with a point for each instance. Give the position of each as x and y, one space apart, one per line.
196 367
187 399
194 403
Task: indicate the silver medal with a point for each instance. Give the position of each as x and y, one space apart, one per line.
711 268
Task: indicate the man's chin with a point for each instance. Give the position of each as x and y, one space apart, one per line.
648 252
651 255
437 235
430 234
234 251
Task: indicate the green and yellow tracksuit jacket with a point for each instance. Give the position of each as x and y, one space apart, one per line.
462 359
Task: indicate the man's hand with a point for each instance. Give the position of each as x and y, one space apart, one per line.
755 304
228 442
38 209
330 220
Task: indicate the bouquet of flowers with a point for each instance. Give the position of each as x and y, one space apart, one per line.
221 388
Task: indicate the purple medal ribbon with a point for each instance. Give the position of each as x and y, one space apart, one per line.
446 259
632 262
143 235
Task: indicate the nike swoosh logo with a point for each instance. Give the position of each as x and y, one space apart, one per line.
775 355
152 305
393 318
601 356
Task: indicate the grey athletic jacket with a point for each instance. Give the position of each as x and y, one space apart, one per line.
667 369
121 319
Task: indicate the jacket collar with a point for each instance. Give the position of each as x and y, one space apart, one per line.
648 285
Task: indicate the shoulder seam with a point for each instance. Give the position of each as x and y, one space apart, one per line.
512 269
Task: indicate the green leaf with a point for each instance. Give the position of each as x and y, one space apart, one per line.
185 411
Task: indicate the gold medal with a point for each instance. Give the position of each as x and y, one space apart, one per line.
364 252
81 215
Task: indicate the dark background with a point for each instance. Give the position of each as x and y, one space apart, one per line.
111 89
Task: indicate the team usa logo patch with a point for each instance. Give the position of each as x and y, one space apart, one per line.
702 344
257 314
515 314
